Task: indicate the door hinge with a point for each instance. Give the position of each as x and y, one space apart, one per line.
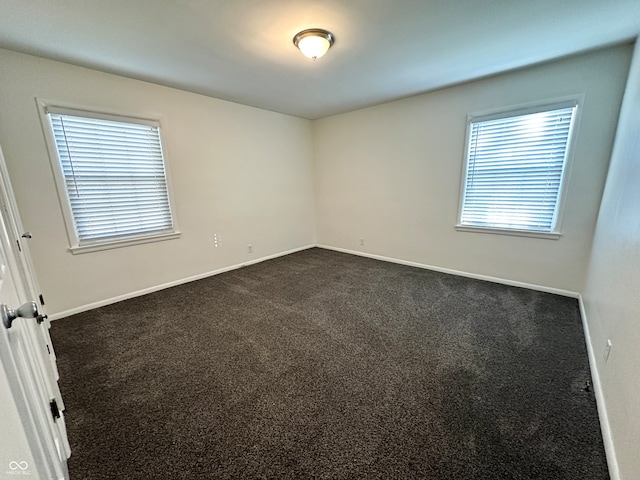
41 300
19 247
55 411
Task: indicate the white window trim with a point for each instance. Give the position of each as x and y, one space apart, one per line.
109 244
74 242
523 109
508 231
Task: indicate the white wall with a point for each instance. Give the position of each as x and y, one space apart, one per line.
612 293
238 171
391 174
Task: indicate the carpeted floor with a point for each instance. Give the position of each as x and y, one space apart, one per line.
322 365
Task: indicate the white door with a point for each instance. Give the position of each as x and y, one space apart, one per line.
33 441
20 248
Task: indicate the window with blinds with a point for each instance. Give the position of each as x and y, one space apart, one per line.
114 176
515 165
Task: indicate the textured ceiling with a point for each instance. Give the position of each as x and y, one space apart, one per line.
242 50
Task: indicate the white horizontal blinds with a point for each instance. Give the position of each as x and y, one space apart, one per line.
114 176
514 170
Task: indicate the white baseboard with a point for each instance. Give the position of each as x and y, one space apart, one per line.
126 296
609 448
512 283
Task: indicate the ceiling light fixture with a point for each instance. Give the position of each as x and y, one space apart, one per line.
314 42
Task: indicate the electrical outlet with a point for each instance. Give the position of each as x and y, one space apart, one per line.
250 248
362 242
607 350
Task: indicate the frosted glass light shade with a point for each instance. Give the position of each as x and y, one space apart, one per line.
313 43
313 47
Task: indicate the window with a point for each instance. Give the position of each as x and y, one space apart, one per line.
112 174
514 170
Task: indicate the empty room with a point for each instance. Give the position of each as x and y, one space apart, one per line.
363 239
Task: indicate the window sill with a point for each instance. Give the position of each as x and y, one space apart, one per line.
108 245
512 232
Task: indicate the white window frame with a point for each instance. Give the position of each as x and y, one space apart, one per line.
575 101
75 245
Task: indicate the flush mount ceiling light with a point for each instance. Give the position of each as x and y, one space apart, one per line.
314 42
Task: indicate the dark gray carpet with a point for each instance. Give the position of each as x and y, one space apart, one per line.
321 365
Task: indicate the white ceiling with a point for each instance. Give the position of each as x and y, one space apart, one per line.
242 50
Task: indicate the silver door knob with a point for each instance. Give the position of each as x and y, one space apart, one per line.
28 310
